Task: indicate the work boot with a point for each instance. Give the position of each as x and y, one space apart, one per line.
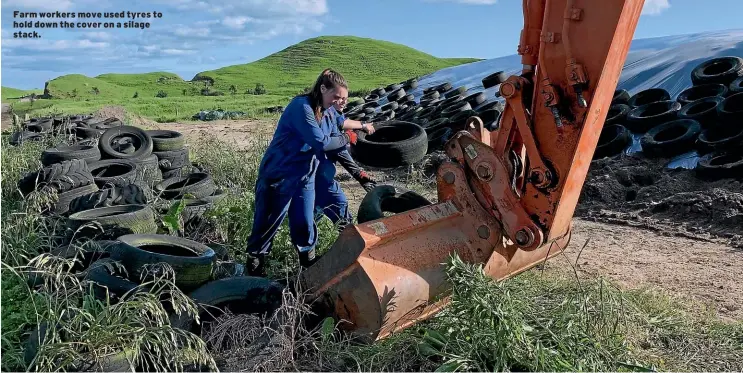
255 265
307 258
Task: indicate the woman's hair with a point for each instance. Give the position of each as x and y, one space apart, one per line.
330 79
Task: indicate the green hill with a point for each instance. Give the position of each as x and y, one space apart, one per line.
9 94
366 64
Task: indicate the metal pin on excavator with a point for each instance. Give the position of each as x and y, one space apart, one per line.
507 197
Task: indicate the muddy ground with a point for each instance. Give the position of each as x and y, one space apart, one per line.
637 222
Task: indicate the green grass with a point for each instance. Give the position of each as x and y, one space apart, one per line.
10 94
366 64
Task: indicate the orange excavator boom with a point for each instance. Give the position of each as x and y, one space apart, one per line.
507 197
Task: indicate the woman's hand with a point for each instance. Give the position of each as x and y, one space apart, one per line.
368 128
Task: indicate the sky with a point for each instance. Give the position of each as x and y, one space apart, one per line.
197 35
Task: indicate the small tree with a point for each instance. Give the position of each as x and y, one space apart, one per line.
74 92
136 94
233 89
260 89
185 91
161 94
96 91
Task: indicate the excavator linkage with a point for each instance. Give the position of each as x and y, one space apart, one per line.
506 198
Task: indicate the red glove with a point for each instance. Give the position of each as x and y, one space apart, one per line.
352 136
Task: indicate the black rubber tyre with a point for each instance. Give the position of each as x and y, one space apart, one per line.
137 137
497 105
128 195
45 125
649 96
62 153
148 171
396 94
178 172
134 218
613 140
239 295
370 98
444 104
720 165
62 206
699 92
424 114
85 133
19 137
621 96
494 79
736 86
459 120
410 84
192 261
428 102
730 110
671 139
393 87
172 159
197 185
719 138
441 88
475 99
114 172
164 140
720 70
437 124
437 139
617 114
459 91
390 106
456 108
703 111
107 275
644 118
405 99
490 119
107 124
379 92
393 144
431 95
387 198
62 177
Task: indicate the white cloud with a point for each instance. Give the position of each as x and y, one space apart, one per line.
654 7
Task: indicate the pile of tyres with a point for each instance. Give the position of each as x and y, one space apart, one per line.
111 188
706 118
408 128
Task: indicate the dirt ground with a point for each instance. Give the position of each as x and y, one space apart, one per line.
641 225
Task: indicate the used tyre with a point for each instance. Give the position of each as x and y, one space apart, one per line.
388 198
238 295
164 140
62 206
736 86
109 277
172 159
613 140
671 139
191 261
723 137
62 177
703 111
490 119
459 120
459 91
128 195
407 98
117 136
113 172
649 96
621 96
390 106
396 94
197 185
699 92
441 88
494 79
136 218
456 108
19 137
61 153
475 99
730 110
643 118
148 171
617 114
437 139
721 70
394 144
720 165
370 98
431 95
437 124
380 92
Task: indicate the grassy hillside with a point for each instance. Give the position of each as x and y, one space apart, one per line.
366 64
9 94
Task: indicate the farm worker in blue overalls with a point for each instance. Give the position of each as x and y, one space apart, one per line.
287 173
330 199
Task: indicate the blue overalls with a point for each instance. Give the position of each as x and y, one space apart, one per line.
330 199
286 177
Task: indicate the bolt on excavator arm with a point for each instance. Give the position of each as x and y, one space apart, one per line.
507 197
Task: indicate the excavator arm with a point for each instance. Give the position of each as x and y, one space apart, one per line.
507 197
